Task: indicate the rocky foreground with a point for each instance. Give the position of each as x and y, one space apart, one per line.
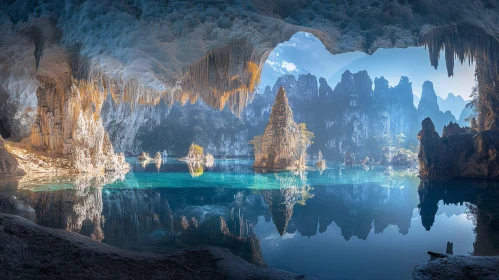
30 251
458 268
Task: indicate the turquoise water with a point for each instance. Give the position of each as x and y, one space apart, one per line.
342 223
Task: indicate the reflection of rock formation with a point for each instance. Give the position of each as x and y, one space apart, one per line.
292 189
482 196
195 169
354 208
233 232
281 203
144 219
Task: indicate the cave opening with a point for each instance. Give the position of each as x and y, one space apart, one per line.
270 128
359 103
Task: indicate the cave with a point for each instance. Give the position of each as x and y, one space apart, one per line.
150 126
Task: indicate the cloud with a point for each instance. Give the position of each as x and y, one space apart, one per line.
289 66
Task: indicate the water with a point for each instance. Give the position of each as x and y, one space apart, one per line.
338 224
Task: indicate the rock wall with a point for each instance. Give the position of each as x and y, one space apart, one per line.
460 152
9 166
68 124
353 117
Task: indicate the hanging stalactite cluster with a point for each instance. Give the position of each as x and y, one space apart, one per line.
225 76
470 44
467 43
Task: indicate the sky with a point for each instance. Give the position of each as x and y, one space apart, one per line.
304 54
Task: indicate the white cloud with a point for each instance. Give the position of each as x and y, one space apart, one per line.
289 66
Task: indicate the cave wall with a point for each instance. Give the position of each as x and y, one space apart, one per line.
148 52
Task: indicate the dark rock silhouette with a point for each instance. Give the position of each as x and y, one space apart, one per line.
460 152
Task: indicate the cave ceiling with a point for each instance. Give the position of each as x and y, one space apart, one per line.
185 51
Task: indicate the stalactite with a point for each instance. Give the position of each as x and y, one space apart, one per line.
464 42
471 44
226 76
36 36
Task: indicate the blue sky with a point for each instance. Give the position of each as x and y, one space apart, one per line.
304 54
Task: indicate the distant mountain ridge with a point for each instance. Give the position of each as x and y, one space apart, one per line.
452 103
358 115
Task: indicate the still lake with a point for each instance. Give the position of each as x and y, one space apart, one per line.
342 223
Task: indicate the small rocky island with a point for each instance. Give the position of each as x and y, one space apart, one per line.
284 143
196 157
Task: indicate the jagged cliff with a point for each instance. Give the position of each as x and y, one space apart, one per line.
353 117
428 107
136 52
459 152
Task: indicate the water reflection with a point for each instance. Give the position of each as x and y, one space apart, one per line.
480 197
137 213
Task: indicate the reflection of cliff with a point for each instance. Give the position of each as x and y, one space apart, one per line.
145 219
354 208
77 209
481 196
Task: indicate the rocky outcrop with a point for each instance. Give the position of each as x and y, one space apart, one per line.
460 152
283 144
9 166
195 154
69 125
57 254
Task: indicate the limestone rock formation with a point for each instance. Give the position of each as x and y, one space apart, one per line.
144 157
209 160
195 155
428 107
283 144
9 166
460 152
